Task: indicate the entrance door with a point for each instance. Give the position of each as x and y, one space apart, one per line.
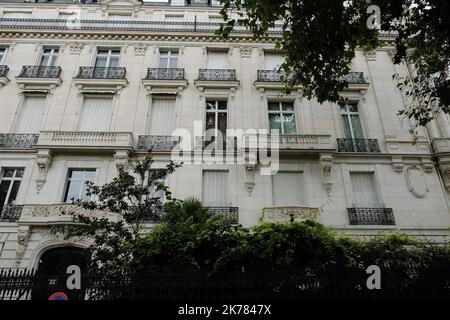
52 273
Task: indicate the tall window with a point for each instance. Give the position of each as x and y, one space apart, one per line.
31 114
168 58
272 61
288 189
282 117
216 120
96 113
351 121
162 117
3 52
107 58
76 184
49 56
9 185
217 59
215 188
365 193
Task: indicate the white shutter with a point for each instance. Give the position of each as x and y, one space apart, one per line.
31 114
364 190
162 117
288 189
217 59
272 60
215 188
95 114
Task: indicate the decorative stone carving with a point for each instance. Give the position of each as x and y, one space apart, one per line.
246 52
416 181
121 158
43 160
397 164
326 162
283 214
371 55
140 49
75 48
23 235
250 177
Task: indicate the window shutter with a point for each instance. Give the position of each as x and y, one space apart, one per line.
31 114
364 190
215 188
272 60
95 114
162 118
217 60
288 189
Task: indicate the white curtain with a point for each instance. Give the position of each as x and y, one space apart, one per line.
31 114
162 117
272 60
363 185
96 114
215 188
217 59
288 189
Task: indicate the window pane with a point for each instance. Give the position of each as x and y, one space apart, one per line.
163 62
90 175
289 124
73 190
222 105
210 105
173 62
14 190
76 174
83 195
4 186
101 61
210 121
114 62
275 122
356 126
288 107
353 108
222 123
346 125
274 106
8 173
19 173
44 60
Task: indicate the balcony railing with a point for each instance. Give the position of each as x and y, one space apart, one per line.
101 73
3 71
157 143
165 74
295 141
354 78
18 141
217 75
358 145
10 213
270 76
40 72
230 213
85 140
371 216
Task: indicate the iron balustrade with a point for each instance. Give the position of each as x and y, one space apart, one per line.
10 213
217 75
230 213
371 216
18 141
3 71
165 74
40 72
157 143
101 73
270 76
354 78
358 145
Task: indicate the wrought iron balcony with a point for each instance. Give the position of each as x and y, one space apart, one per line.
101 73
230 213
358 145
18 141
217 75
354 78
371 216
157 143
165 74
40 72
10 213
270 76
3 71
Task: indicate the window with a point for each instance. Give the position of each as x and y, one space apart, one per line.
365 194
217 59
96 113
272 61
215 188
282 117
49 56
9 185
76 184
3 52
351 122
168 58
107 58
162 118
177 2
288 189
31 114
216 120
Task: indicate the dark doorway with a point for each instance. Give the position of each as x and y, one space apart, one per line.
52 273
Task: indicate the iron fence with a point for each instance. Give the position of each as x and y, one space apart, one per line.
40 72
101 73
4 70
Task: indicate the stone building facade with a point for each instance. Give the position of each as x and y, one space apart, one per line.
87 87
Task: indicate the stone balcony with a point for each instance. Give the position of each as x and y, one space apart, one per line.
18 141
297 142
217 78
290 213
93 79
158 80
39 77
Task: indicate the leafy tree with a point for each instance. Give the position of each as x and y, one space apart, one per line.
320 38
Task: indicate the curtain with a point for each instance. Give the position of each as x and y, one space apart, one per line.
215 188
272 60
217 60
288 189
364 190
96 114
31 114
162 117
